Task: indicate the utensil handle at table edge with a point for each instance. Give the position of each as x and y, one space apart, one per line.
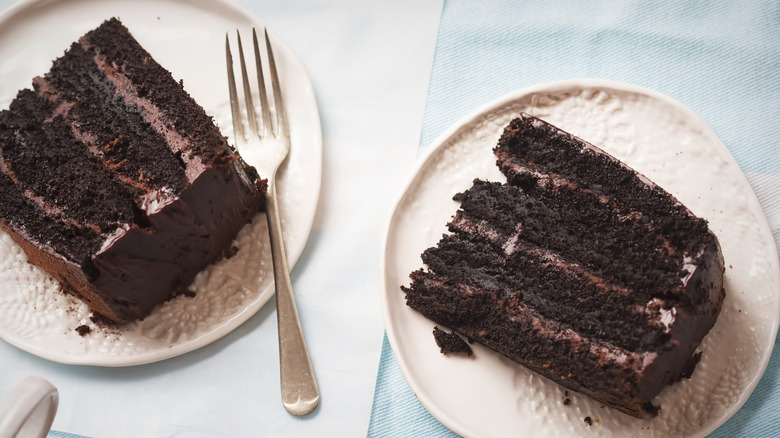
300 394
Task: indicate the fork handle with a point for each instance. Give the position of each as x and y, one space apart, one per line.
300 394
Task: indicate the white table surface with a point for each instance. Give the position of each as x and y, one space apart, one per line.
369 62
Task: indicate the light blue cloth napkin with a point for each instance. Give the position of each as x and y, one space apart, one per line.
722 59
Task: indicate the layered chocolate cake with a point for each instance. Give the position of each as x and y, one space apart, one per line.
578 268
115 181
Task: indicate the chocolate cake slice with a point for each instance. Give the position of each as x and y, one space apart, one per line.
115 181
578 268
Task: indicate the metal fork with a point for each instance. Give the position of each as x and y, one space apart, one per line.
300 394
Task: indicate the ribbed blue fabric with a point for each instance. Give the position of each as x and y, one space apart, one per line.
396 411
721 59
56 434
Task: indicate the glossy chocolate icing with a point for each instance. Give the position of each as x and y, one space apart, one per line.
134 269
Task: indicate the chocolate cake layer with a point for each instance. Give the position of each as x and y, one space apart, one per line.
113 129
578 267
38 149
115 181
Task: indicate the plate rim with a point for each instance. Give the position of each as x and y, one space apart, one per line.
235 320
479 113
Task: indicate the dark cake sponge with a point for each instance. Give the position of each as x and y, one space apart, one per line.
115 181
451 343
578 268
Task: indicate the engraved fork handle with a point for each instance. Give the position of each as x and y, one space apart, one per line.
300 394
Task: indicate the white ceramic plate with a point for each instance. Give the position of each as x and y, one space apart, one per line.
187 38
490 396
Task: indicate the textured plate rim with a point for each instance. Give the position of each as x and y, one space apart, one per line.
480 113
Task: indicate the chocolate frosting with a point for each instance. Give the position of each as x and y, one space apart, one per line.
186 235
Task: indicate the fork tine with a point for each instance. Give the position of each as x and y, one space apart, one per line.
264 107
282 128
238 128
250 107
